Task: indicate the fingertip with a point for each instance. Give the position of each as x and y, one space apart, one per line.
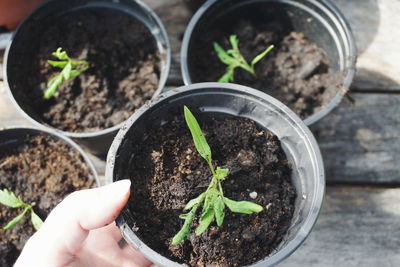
97 207
124 184
68 225
120 189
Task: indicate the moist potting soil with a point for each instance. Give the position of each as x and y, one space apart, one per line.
167 171
124 69
296 71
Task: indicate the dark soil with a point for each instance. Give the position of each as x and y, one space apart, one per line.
170 172
296 71
123 75
42 171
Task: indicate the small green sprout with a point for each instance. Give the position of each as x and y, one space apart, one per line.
212 200
9 199
70 69
233 58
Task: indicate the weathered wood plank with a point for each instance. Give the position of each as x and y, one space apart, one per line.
376 27
358 226
9 115
175 15
360 142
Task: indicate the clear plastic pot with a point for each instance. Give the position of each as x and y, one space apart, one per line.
320 20
100 141
296 139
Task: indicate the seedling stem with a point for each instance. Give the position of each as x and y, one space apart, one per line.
212 200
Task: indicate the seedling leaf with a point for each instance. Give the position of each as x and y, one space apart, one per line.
57 64
205 221
221 173
228 76
219 207
36 221
223 55
61 55
195 201
66 72
233 59
245 207
261 56
16 220
210 198
70 69
185 230
200 141
52 86
74 73
234 42
80 63
9 199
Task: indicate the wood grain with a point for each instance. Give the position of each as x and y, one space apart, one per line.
358 226
360 142
175 15
9 115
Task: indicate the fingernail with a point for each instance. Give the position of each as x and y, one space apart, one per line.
119 187
123 184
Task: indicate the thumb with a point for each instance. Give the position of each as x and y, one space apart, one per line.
67 226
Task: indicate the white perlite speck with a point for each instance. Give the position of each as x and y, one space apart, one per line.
253 195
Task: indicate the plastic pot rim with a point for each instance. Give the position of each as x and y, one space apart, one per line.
319 186
161 83
62 138
329 7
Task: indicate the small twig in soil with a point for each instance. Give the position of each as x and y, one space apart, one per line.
4 163
233 58
212 200
9 199
70 69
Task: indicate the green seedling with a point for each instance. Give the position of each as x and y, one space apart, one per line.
234 59
212 201
70 69
9 199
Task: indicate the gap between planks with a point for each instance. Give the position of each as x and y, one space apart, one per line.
374 91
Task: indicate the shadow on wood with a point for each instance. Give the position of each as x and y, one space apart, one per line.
360 142
371 81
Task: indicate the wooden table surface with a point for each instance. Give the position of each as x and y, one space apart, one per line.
360 141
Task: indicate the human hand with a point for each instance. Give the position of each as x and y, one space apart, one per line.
81 231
